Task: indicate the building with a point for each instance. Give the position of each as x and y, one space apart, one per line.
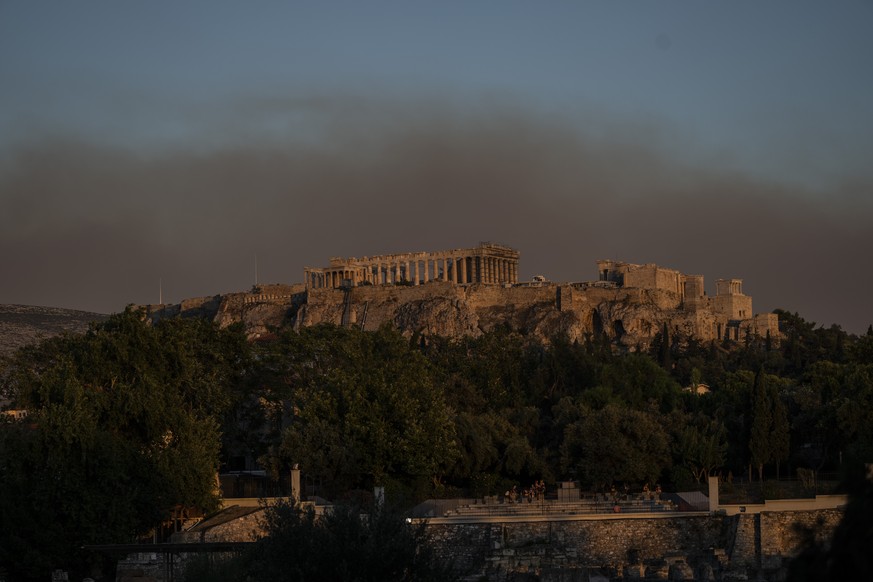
728 314
489 264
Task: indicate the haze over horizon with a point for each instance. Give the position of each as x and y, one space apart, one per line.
175 142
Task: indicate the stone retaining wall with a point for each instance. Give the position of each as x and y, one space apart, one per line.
487 549
681 547
782 533
722 547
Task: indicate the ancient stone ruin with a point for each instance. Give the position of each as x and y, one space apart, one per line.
488 263
630 303
468 292
726 315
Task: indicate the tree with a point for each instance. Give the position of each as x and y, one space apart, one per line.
701 446
769 439
492 443
781 430
123 427
760 445
615 444
344 544
854 411
365 409
638 381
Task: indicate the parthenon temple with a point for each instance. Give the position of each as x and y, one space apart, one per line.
488 263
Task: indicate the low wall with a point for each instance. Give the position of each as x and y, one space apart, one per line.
705 546
817 503
489 548
712 546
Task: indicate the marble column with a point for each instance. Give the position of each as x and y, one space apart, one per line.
463 270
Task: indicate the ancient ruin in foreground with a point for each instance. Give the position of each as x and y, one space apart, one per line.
467 292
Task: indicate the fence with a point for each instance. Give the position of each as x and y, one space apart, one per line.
739 492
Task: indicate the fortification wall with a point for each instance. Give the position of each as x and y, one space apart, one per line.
629 316
654 277
733 306
763 324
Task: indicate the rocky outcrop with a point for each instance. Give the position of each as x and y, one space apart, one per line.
630 317
261 311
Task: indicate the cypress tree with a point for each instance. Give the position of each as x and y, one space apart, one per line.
760 445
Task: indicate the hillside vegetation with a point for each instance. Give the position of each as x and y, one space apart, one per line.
131 419
24 324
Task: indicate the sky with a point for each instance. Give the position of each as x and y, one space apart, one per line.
181 149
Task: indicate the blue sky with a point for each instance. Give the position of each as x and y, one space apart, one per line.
754 78
772 101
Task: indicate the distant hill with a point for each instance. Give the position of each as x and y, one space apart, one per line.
24 324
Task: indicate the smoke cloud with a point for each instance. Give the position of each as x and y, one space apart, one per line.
95 225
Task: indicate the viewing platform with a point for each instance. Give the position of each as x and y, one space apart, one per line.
490 509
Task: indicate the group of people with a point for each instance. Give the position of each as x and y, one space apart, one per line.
536 492
647 494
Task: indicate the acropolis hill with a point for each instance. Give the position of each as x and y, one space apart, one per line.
465 292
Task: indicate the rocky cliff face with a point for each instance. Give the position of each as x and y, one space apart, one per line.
261 311
629 317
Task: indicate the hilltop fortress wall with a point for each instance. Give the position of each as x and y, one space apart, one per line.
631 317
467 292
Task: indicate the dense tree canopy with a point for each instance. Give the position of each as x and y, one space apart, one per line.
133 418
615 444
123 426
365 409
